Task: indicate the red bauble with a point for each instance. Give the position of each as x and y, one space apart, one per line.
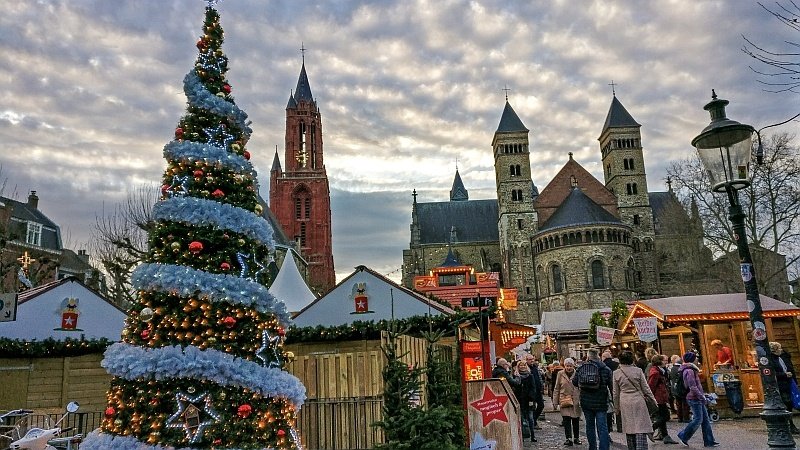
227 88
195 247
201 43
281 433
217 441
164 188
229 321
244 411
145 333
281 331
218 193
246 155
225 266
179 132
198 173
110 411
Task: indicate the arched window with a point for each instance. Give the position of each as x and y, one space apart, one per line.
598 280
558 281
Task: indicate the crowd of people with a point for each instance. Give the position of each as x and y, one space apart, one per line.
637 393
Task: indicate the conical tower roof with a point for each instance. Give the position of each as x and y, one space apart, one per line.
303 89
618 116
458 192
578 209
291 103
510 121
289 286
276 163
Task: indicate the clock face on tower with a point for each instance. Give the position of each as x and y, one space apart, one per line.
302 158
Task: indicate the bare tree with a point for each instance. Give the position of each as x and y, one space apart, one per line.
119 241
782 72
772 205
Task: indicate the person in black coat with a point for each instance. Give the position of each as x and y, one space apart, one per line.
538 400
526 392
781 362
594 401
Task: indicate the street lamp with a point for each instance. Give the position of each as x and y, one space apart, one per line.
724 147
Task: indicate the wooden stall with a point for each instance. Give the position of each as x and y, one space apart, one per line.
694 322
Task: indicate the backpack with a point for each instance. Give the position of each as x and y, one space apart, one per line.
680 386
588 376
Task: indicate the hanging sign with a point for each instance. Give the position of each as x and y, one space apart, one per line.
605 335
647 328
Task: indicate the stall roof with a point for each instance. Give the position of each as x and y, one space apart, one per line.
707 308
574 321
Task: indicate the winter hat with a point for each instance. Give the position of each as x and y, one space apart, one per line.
689 357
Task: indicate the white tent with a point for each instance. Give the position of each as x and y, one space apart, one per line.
289 286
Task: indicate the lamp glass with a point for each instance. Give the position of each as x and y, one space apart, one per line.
725 154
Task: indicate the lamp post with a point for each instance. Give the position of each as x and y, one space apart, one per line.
724 147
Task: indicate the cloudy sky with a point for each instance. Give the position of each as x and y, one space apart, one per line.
90 91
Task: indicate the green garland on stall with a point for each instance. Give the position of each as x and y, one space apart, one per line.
15 348
358 330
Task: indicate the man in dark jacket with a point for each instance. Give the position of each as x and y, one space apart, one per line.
784 374
503 370
533 363
594 399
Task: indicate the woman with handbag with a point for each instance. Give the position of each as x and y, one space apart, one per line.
631 389
658 382
784 373
567 397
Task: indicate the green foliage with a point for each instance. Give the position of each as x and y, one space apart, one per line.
359 330
619 312
15 348
408 427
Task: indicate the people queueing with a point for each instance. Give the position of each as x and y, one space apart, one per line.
566 397
658 380
632 391
697 401
781 362
593 379
526 392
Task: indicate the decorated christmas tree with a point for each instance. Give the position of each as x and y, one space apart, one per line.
201 360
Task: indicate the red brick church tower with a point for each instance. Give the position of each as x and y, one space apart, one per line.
299 196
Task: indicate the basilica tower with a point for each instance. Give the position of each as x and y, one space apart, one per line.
517 220
299 196
624 171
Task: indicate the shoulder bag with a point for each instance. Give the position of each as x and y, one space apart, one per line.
652 406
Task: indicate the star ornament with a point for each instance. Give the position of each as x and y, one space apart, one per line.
269 353
190 415
218 136
491 406
247 260
179 186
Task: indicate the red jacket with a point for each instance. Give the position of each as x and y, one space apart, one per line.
658 384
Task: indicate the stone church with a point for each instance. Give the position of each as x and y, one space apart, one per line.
580 243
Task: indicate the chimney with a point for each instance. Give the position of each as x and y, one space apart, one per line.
33 200
83 256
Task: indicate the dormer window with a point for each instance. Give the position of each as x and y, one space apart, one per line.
34 234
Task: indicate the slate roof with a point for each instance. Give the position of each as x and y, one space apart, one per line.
276 163
23 213
567 322
458 192
578 209
659 201
474 221
279 236
618 116
303 89
510 122
291 103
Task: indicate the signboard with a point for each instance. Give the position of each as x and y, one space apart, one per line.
490 278
478 302
8 307
605 335
508 298
647 328
422 282
493 416
472 365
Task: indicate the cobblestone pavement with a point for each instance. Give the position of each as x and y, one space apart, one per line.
738 434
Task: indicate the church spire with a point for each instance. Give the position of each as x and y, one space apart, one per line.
458 192
303 89
618 116
510 121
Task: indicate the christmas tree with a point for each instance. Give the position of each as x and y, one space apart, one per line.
201 358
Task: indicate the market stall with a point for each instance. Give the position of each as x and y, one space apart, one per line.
718 329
